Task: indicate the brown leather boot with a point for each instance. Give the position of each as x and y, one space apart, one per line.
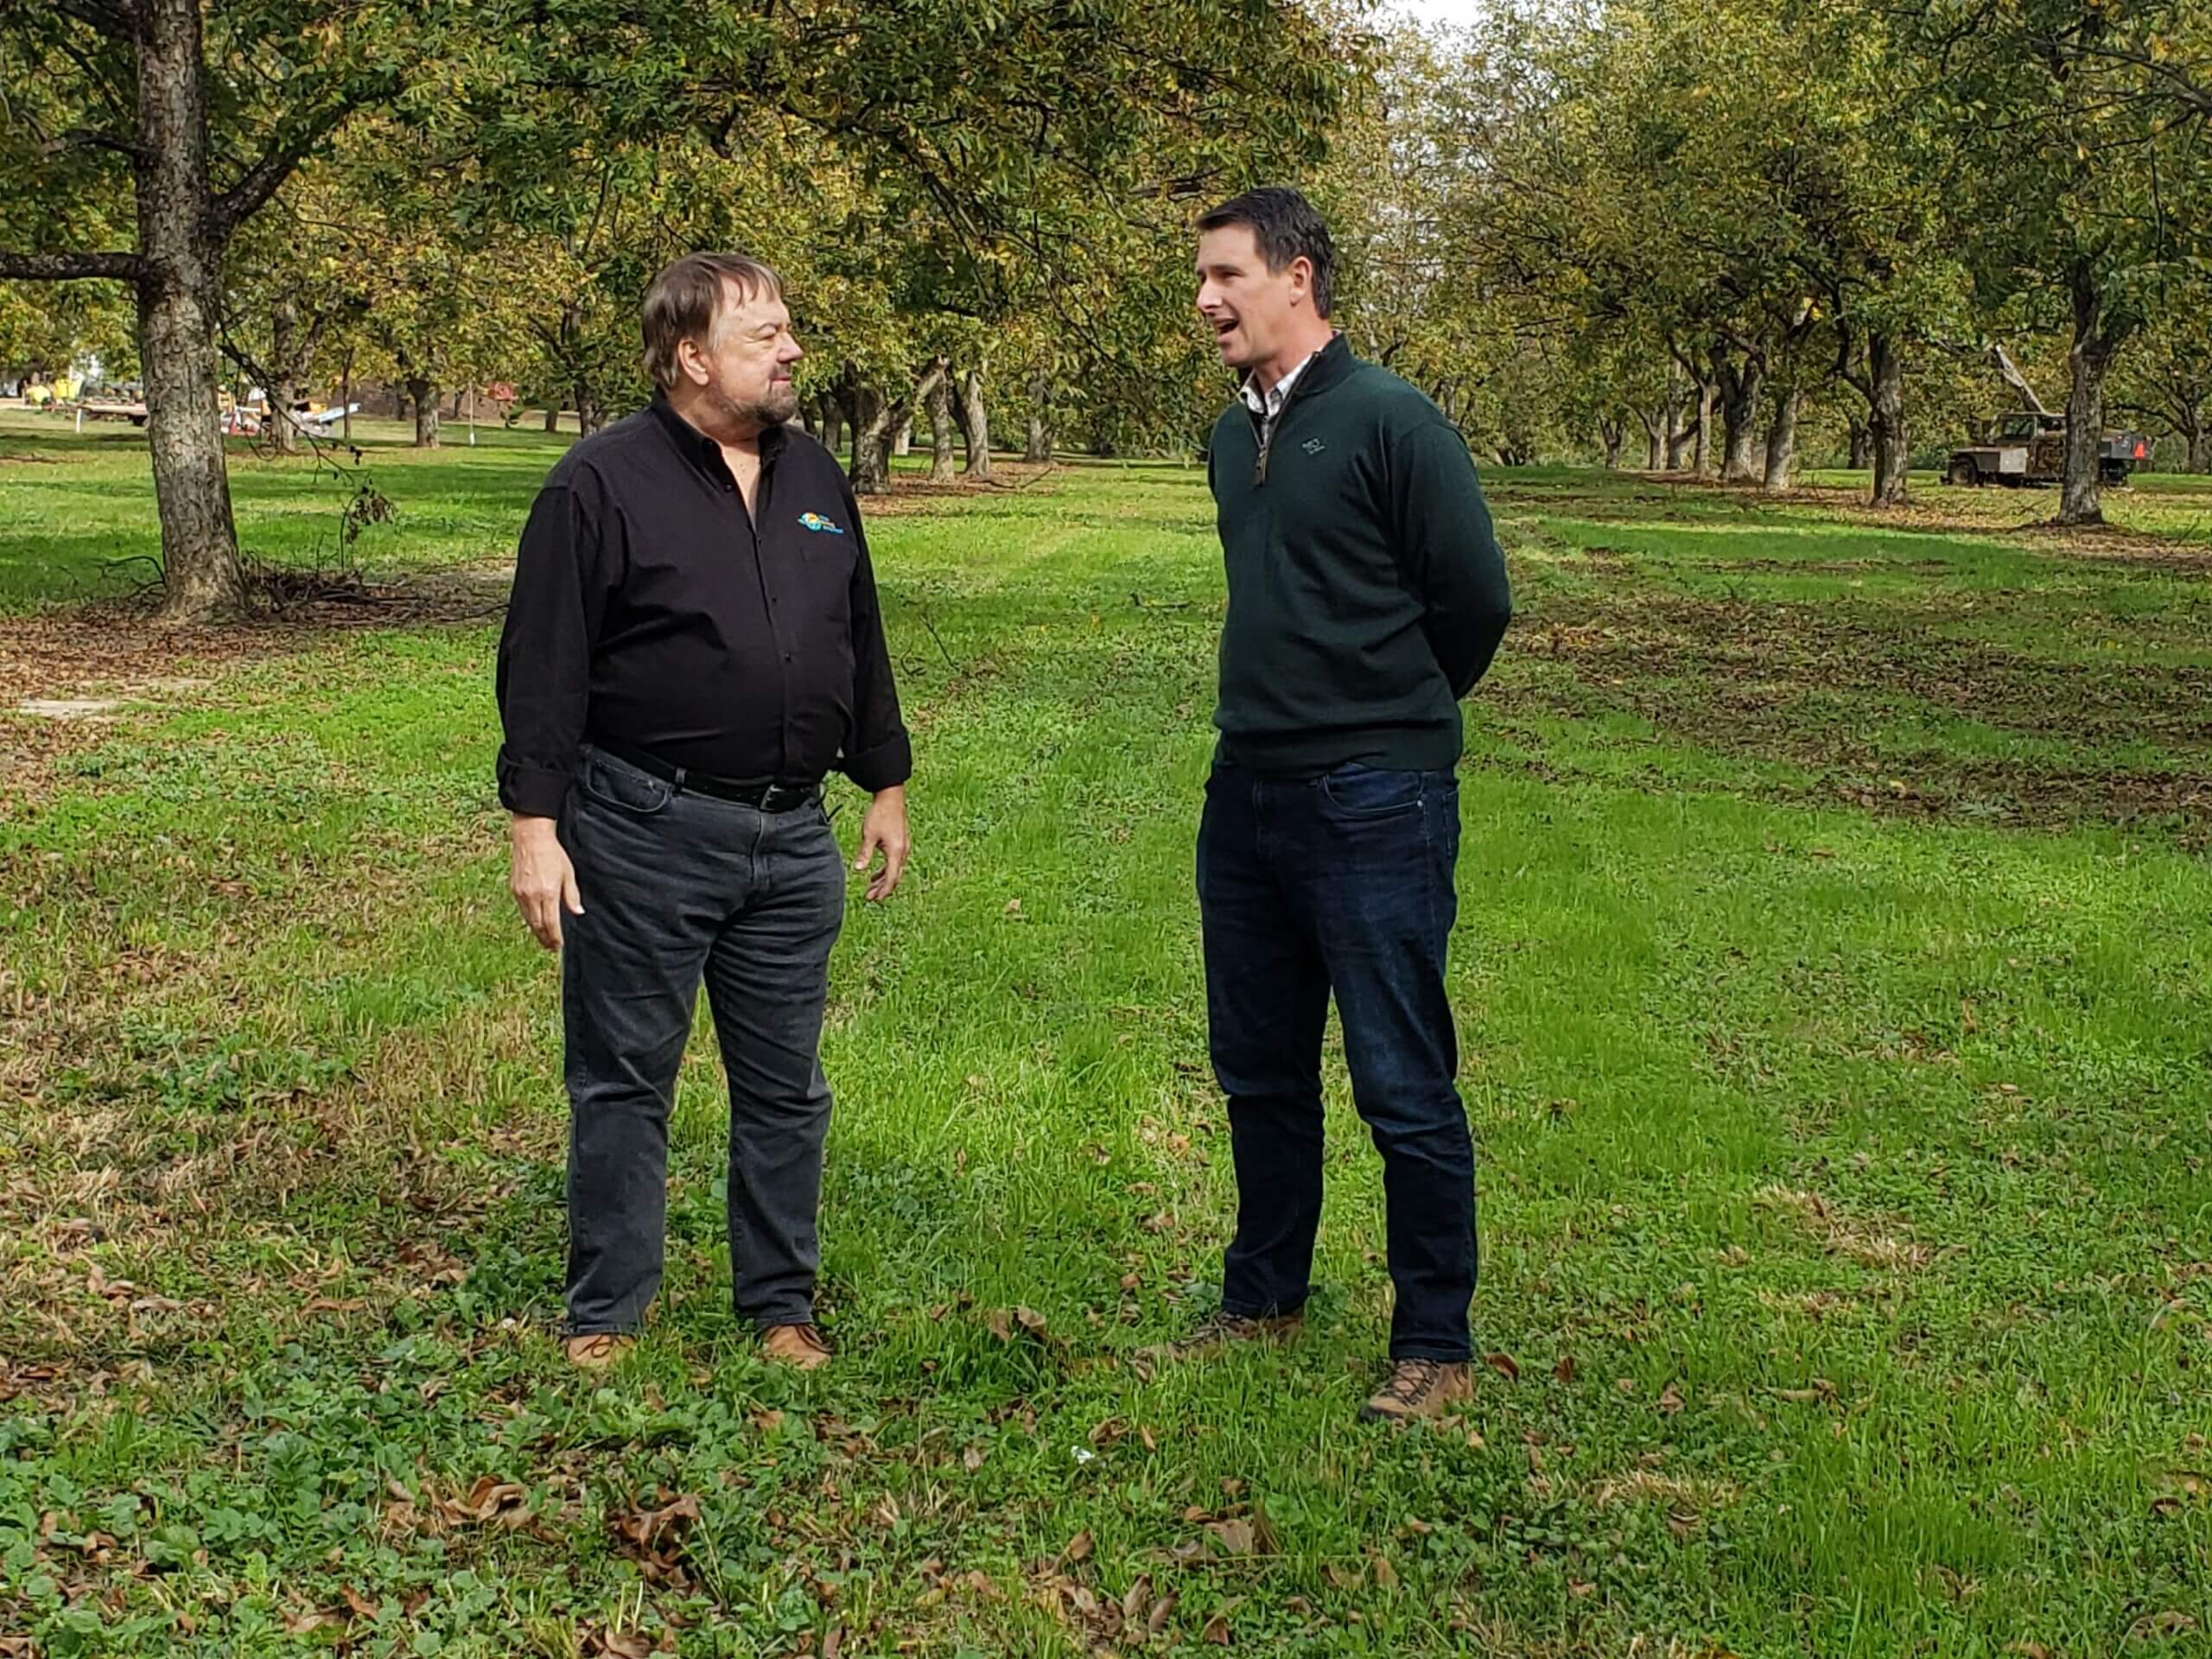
1420 1388
1221 1331
598 1351
800 1346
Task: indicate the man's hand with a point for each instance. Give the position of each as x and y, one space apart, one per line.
541 879
884 829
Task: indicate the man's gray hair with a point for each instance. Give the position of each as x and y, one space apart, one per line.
683 299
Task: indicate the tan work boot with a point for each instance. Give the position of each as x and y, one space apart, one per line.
1420 1388
598 1351
1221 1331
803 1346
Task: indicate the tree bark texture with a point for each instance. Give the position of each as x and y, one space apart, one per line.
425 396
1040 446
975 416
1782 439
936 391
1886 419
179 285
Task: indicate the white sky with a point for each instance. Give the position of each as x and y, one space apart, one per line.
1438 11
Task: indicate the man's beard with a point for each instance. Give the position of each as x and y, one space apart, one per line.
780 404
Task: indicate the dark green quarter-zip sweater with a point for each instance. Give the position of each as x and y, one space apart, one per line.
1366 591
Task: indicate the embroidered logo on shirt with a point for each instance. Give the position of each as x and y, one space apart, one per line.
815 522
1313 446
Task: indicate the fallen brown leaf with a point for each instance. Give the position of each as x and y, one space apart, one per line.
2161 1625
489 1499
1564 1372
361 1605
1235 1537
1216 1631
1138 1601
1162 1610
1386 1576
1079 1547
1505 1365
1670 1401
643 1529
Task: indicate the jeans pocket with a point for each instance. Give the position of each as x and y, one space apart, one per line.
1356 792
624 789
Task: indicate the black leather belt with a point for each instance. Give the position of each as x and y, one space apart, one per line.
769 797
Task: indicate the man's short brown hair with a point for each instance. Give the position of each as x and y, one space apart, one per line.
683 299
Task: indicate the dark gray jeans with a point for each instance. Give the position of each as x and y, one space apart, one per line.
676 886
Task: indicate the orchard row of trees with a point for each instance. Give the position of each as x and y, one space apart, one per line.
447 191
1695 229
1706 237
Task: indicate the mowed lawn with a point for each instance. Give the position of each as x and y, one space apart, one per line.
1835 990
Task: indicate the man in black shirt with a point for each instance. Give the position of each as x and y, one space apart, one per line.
693 643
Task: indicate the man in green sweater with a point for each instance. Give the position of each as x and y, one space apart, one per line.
1366 597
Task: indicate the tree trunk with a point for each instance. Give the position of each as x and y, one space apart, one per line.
833 422
1704 464
1885 420
975 426
902 439
1782 439
426 412
1862 445
2200 447
346 397
284 367
874 418
178 286
1040 446
1612 434
1740 416
937 386
2098 334
1678 435
553 418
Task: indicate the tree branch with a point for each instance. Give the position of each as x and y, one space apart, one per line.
266 176
116 19
68 267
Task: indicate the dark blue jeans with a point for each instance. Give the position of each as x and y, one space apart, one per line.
676 887
1340 884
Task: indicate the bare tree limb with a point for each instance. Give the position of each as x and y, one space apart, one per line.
68 267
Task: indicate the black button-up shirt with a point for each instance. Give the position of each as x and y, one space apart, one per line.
652 612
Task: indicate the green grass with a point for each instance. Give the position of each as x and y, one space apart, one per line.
1833 984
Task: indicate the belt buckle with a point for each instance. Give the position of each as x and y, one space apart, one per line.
781 798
